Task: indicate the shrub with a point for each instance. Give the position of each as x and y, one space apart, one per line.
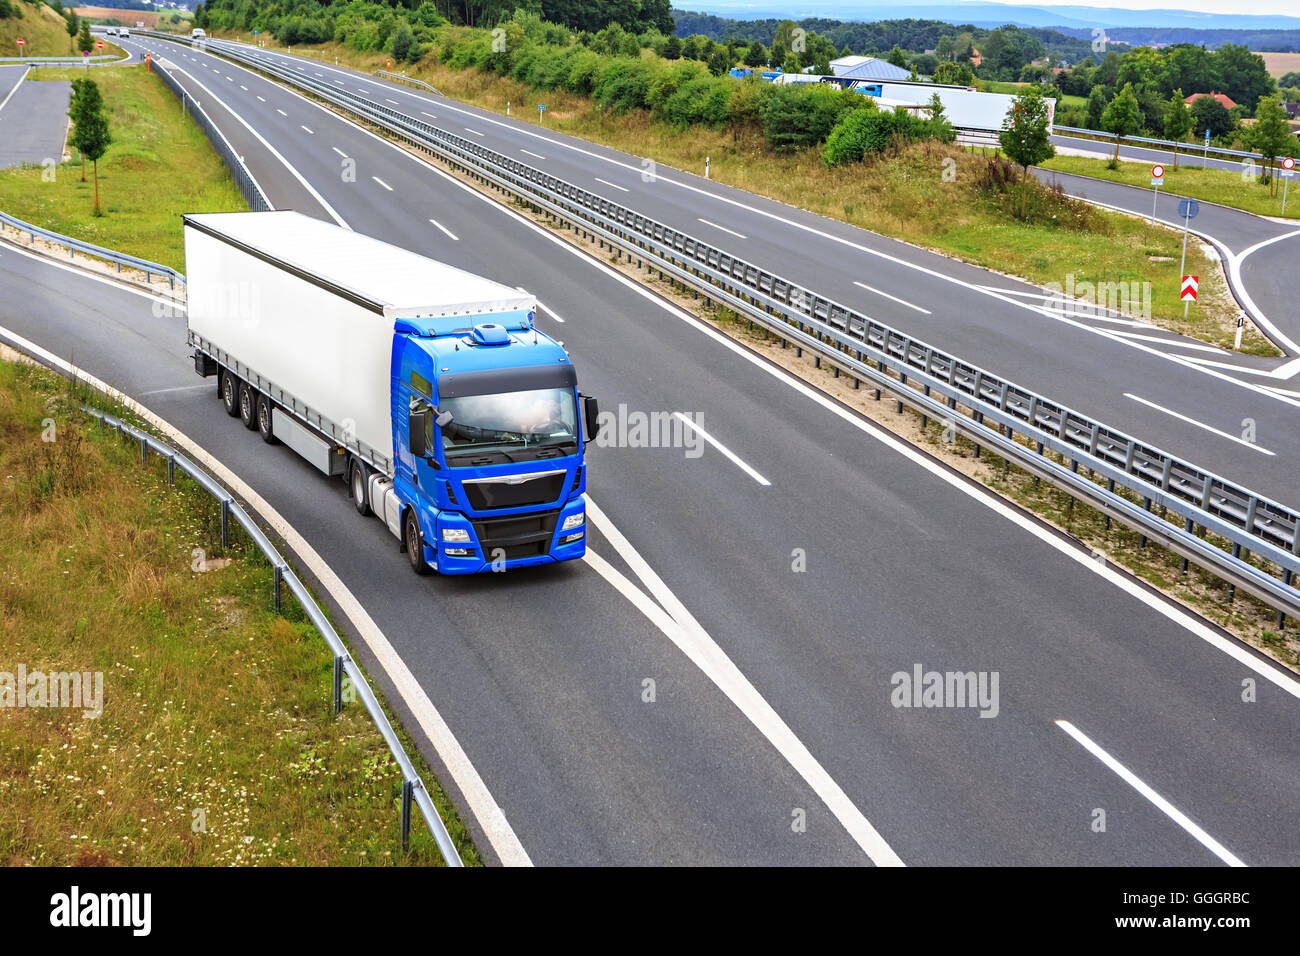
801 115
403 45
584 72
705 100
623 85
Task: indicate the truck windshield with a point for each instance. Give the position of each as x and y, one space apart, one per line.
508 421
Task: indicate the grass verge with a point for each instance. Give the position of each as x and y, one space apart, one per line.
159 166
217 744
929 195
1213 185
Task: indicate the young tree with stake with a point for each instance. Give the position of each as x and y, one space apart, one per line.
90 134
1024 136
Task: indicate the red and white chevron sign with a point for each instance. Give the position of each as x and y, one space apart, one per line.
1189 288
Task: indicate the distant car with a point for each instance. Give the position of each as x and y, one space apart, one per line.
198 35
124 32
111 32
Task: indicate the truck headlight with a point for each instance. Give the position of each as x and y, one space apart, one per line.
455 534
574 521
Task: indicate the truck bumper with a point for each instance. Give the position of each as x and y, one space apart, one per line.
564 545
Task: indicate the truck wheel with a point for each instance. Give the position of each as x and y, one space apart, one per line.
264 423
414 547
359 481
247 406
230 393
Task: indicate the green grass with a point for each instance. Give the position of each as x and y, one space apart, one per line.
211 701
159 166
1189 179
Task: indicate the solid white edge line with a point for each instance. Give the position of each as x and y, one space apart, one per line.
1161 804
21 76
894 297
1166 608
1192 421
477 797
273 151
692 640
735 459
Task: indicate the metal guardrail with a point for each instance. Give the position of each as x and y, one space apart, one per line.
57 60
915 372
1189 148
150 269
248 185
409 79
413 788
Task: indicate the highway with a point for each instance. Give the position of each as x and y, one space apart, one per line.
33 119
1151 154
1088 361
772 685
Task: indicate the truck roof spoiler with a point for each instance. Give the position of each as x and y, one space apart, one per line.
435 326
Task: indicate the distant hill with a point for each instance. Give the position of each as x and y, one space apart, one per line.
924 26
990 14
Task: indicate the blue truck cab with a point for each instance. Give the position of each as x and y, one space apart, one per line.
488 443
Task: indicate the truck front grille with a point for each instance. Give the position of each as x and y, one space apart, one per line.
489 494
518 536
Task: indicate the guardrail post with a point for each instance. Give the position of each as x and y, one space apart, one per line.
225 523
144 450
278 578
408 788
171 470
338 685
1187 527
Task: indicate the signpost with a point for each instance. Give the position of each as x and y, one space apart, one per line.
1241 326
1187 208
85 58
20 48
148 63
541 115
1206 161
1288 170
1157 177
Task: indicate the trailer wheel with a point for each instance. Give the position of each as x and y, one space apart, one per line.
414 547
230 393
247 406
359 481
264 423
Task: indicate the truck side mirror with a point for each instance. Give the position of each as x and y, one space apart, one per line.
444 418
418 425
591 413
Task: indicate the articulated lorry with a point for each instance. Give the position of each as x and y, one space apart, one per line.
428 389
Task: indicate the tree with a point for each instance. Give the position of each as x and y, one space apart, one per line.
90 134
1096 106
72 23
1122 117
719 60
1271 134
953 74
404 45
673 48
897 57
1211 116
84 42
756 55
1178 121
1024 136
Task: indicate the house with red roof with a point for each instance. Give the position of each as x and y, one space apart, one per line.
1223 98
